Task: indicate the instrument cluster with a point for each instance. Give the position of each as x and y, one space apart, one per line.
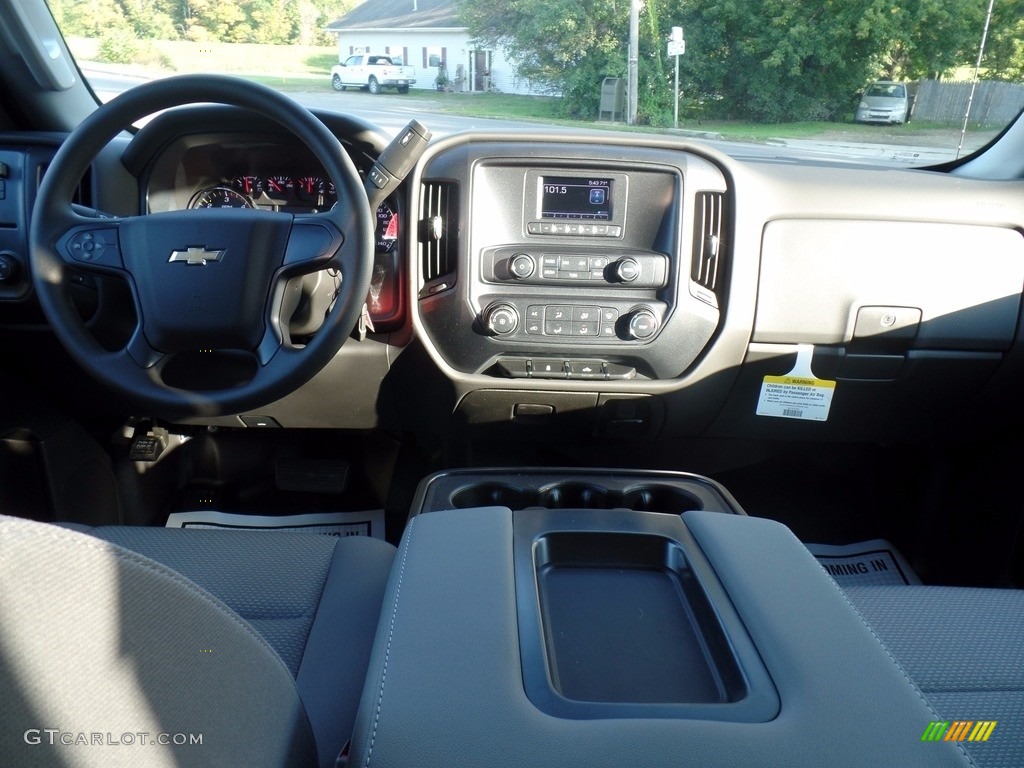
306 193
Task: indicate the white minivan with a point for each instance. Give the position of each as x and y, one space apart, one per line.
884 102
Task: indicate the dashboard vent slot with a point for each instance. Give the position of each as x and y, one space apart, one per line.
438 235
708 245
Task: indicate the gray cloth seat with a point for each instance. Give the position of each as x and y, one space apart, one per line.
256 641
964 648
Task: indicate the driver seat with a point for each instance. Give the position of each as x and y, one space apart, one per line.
111 654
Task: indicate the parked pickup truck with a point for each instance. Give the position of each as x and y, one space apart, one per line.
373 73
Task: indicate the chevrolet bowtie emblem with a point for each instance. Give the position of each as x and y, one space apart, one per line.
196 256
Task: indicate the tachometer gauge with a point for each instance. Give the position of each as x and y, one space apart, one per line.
387 228
219 197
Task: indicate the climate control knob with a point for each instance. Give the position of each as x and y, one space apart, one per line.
501 319
522 266
642 324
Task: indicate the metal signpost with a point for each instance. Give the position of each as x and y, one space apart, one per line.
676 47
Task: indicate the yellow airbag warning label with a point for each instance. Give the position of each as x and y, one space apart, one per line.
798 394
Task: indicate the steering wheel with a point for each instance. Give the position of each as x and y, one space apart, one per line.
206 283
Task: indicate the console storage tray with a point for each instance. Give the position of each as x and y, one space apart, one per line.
624 621
620 617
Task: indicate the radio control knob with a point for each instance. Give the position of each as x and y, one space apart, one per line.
643 324
626 270
522 265
501 319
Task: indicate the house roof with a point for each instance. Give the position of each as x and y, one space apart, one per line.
398 14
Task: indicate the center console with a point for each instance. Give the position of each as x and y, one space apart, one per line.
571 265
610 636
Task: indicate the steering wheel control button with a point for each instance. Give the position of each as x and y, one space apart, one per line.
501 319
522 266
643 324
94 246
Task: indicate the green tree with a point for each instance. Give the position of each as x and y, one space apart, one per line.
785 60
932 37
567 46
1004 49
767 60
89 19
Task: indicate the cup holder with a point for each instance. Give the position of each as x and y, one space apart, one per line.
568 494
658 497
492 495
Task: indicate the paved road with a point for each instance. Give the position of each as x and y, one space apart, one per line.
392 111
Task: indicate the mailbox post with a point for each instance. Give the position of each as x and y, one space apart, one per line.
613 98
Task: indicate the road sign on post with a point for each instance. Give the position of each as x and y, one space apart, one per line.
676 47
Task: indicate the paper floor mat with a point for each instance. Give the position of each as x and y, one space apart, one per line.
365 523
868 563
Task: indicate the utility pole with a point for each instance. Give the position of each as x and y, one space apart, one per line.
632 82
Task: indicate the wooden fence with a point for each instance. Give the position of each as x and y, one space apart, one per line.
994 103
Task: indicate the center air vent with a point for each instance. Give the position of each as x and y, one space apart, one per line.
708 245
438 235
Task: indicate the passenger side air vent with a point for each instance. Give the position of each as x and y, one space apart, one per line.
708 246
438 235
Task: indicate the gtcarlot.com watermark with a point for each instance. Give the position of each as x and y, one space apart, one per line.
55 736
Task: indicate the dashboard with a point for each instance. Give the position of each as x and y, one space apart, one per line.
614 287
646 287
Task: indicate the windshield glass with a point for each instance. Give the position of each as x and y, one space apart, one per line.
886 91
798 77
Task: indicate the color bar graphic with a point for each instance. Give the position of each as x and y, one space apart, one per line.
959 730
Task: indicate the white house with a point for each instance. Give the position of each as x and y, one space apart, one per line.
426 34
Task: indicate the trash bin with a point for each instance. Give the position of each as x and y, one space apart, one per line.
613 98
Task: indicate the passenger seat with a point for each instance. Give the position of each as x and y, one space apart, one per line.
964 648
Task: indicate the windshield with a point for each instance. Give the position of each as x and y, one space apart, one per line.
796 76
886 91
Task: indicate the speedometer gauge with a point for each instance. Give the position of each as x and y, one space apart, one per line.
387 228
219 197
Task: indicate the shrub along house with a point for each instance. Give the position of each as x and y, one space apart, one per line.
426 34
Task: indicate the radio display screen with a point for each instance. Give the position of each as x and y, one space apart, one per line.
573 197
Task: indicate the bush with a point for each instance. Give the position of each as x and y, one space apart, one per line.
117 47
